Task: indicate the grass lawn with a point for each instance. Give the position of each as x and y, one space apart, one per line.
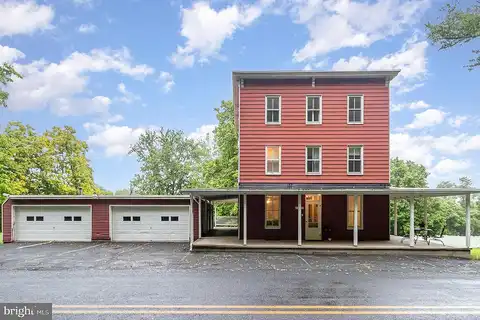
1 238
475 253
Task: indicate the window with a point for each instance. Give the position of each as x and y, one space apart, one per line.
272 212
127 218
67 218
273 107
355 109
351 210
355 160
30 218
313 160
39 218
314 109
77 218
164 218
273 160
136 218
174 218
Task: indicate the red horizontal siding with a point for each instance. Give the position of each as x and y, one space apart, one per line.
334 134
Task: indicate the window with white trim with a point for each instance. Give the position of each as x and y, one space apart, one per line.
314 109
313 159
351 211
273 160
272 212
355 109
355 160
273 106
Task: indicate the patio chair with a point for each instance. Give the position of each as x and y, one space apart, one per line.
437 237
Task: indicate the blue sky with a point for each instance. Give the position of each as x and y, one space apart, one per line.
112 69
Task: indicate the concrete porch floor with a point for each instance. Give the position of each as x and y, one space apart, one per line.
392 246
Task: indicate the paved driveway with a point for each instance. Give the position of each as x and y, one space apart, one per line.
166 278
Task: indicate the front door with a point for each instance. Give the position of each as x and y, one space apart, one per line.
313 220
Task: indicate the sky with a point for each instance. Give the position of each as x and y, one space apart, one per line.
115 68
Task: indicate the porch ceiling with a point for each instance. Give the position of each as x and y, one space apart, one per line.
394 193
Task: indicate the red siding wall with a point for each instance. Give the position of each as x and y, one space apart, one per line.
333 134
334 215
100 212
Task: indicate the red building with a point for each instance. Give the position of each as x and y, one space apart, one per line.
304 137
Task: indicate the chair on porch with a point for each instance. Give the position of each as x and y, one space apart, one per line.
437 237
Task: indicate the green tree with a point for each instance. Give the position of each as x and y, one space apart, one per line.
169 160
123 192
7 74
222 170
101 190
459 27
50 163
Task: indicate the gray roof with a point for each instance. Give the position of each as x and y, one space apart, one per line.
395 193
390 74
87 197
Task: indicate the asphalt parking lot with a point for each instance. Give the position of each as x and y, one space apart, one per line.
159 275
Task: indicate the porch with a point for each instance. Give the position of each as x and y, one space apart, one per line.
392 246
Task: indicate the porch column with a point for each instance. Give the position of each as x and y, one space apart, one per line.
412 222
199 217
355 221
244 219
299 204
467 222
425 213
395 218
214 220
190 222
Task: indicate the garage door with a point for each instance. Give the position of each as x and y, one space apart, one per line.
53 223
165 223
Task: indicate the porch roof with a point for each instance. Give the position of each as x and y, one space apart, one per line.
394 193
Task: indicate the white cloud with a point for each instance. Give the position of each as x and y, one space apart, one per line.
411 59
205 30
81 106
115 140
9 55
407 147
127 96
115 118
203 132
420 104
457 144
356 24
87 28
316 65
84 3
166 79
58 85
24 17
450 167
427 118
457 121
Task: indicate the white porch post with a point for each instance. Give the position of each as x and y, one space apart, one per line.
467 222
395 218
239 218
191 222
244 219
199 217
425 214
412 222
214 222
299 204
355 221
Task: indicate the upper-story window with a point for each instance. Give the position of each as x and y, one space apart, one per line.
355 109
273 109
273 160
313 160
355 160
314 109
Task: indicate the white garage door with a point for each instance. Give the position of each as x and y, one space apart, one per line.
163 223
53 223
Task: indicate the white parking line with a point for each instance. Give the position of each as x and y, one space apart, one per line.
77 250
34 245
308 264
